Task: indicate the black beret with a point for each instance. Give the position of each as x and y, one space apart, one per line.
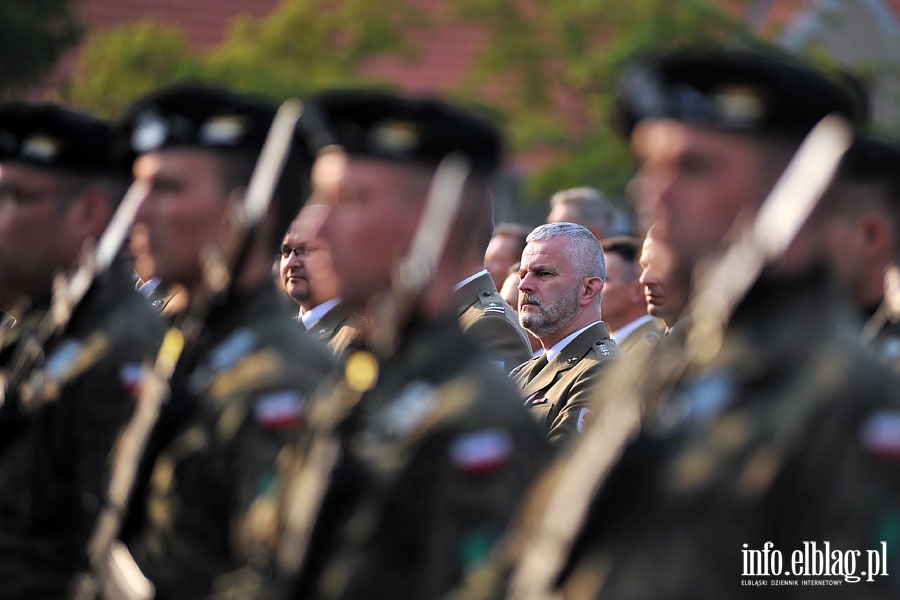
420 130
733 89
197 116
871 158
59 138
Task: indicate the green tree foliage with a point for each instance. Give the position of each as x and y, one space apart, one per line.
33 35
302 45
548 67
555 63
306 45
126 62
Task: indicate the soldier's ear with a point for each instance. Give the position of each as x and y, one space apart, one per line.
876 235
91 211
590 290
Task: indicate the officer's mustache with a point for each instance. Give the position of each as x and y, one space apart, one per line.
530 299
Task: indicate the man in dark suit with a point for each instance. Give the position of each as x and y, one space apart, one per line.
308 277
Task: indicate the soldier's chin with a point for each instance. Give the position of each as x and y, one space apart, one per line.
299 291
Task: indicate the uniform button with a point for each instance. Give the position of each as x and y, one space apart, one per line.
485 294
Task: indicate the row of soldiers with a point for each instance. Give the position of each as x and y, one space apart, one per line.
225 454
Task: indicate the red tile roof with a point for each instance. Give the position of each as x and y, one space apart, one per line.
204 21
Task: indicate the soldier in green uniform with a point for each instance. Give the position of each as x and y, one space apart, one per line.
562 274
624 304
788 436
485 318
208 475
438 450
862 210
60 183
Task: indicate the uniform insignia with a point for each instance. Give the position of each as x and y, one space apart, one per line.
224 130
410 408
603 348
880 434
481 451
131 375
62 358
395 136
890 350
230 351
584 415
280 409
698 402
495 308
41 147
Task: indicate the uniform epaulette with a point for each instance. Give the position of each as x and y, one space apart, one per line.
492 303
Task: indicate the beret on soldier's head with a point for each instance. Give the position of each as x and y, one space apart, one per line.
197 116
871 158
755 91
423 130
59 138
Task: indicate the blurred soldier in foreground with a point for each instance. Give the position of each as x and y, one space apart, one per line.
308 277
562 274
585 206
60 183
863 225
788 435
437 451
624 306
485 318
209 470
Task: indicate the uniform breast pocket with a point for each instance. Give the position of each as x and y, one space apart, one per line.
544 411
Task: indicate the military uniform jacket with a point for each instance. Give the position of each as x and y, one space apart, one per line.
434 461
791 436
53 474
886 344
211 487
648 333
336 328
491 324
559 393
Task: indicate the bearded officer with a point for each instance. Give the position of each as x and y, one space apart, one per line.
562 274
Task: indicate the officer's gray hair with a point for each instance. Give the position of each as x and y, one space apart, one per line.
586 252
